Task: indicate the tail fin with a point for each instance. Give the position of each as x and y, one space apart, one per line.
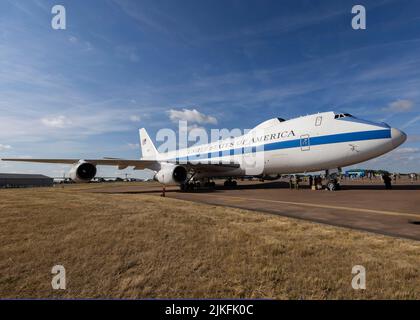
148 150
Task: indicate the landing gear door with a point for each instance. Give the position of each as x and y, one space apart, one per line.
305 142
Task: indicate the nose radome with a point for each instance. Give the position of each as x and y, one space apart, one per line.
398 137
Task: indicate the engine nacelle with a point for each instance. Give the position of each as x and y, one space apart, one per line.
82 172
171 174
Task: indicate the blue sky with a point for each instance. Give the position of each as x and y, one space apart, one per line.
120 65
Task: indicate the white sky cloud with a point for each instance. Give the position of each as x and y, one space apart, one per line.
192 116
4 147
85 45
133 145
400 106
73 39
135 118
407 150
56 122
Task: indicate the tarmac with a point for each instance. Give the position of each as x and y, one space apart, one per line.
362 204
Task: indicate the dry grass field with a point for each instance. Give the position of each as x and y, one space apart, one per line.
138 246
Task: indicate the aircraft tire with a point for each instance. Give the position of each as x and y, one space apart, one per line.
332 186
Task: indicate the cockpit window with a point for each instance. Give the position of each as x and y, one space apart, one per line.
281 119
342 115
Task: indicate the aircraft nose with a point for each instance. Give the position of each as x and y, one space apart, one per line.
398 137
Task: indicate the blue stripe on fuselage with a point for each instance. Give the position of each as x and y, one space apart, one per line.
313 141
352 136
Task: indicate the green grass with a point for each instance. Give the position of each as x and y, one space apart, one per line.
143 246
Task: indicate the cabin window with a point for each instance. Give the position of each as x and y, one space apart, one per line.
318 121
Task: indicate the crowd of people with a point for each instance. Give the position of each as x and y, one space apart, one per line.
316 182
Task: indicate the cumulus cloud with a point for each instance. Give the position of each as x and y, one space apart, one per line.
399 106
56 122
135 118
192 116
4 147
83 44
133 145
407 150
73 39
194 128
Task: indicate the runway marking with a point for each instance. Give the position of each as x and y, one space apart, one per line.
305 204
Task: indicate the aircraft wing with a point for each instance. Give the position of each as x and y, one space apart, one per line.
121 163
137 164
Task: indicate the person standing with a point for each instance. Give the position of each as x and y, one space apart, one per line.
297 181
387 181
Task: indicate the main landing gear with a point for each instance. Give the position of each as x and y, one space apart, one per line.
333 182
333 185
230 183
204 184
192 185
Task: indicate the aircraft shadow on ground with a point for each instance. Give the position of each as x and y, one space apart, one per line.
285 185
266 185
381 187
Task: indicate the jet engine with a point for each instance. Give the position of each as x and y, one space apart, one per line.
82 172
171 174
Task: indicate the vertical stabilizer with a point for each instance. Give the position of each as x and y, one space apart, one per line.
148 150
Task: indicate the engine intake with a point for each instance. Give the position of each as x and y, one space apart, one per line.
83 172
171 174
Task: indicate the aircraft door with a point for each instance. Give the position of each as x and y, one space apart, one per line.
305 142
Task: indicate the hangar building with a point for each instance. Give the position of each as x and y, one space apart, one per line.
12 180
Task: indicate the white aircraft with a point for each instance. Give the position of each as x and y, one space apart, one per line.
323 141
